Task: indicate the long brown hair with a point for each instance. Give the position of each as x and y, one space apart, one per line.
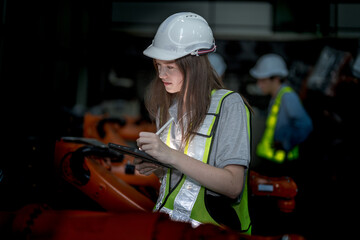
193 99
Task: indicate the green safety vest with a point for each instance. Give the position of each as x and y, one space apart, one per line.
186 201
264 149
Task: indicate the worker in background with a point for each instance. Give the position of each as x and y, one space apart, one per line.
208 140
287 124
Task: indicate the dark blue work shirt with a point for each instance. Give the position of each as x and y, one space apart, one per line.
293 122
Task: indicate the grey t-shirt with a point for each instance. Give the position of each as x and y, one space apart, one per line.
231 141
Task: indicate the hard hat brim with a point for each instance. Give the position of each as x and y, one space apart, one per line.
161 54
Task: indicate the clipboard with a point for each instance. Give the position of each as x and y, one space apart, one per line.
136 153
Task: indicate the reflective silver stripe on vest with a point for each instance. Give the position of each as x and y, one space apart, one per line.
161 193
185 199
193 222
163 138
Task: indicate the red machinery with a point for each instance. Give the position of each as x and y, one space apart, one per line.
35 222
282 188
113 129
85 167
126 196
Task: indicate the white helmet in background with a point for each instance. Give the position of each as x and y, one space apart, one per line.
179 35
218 63
269 65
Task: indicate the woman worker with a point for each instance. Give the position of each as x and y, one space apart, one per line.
207 144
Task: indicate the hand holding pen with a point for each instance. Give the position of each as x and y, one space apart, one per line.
152 145
162 128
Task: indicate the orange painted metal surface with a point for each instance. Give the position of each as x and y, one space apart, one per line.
282 188
109 130
121 133
97 182
35 222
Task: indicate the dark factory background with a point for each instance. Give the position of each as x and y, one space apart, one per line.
57 59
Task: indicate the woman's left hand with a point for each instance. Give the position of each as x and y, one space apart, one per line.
152 145
145 168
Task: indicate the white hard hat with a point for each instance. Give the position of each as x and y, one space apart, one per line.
269 65
179 35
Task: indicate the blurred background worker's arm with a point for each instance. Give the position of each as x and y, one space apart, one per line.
293 125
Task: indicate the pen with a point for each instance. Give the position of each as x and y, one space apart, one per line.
164 126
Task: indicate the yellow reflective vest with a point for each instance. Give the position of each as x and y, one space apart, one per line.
186 201
265 147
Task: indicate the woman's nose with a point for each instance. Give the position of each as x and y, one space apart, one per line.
162 72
